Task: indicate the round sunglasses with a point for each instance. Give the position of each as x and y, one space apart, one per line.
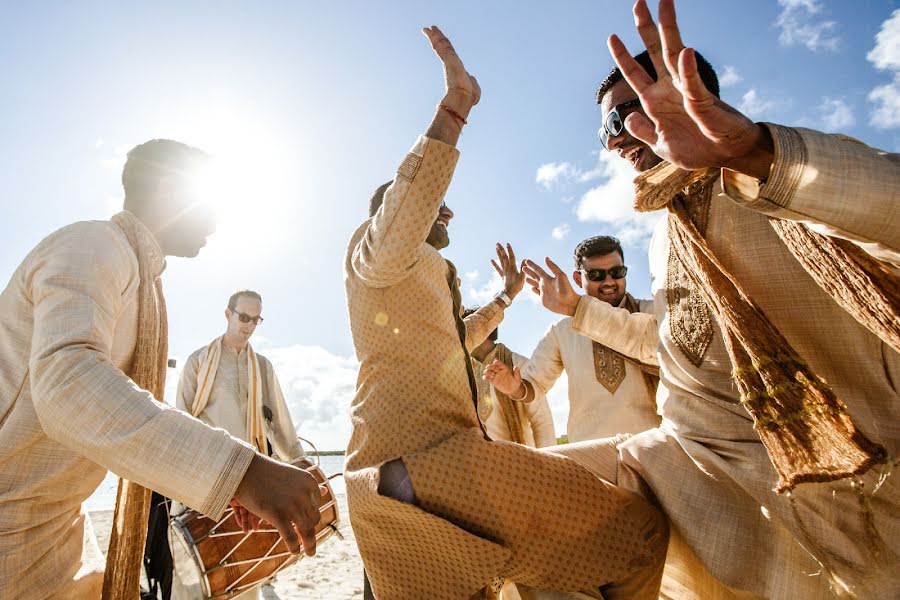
614 121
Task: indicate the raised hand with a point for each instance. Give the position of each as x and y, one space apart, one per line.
286 497
461 88
555 290
685 124
507 268
508 381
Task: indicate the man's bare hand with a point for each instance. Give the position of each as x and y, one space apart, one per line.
556 292
508 269
462 89
685 124
508 381
286 497
246 520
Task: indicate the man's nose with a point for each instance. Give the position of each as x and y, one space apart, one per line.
446 212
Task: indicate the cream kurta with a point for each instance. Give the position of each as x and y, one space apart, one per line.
594 411
705 463
68 325
415 400
227 405
538 430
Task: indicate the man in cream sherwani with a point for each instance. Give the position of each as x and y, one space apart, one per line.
733 536
68 411
436 507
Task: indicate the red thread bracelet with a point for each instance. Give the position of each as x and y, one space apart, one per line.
455 114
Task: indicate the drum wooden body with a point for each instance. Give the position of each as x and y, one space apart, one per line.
230 561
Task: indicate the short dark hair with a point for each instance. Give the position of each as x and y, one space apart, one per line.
707 74
492 335
378 198
600 245
152 161
232 301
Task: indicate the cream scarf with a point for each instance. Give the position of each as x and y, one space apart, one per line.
206 375
148 371
513 412
806 430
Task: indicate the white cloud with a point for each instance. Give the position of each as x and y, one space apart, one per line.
550 173
886 57
799 24
480 294
836 114
561 231
729 77
612 202
753 105
318 387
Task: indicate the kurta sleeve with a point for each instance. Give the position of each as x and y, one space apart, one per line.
481 323
545 365
635 335
284 433
84 402
394 235
836 185
187 383
538 411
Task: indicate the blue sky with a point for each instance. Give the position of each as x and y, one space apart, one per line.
310 106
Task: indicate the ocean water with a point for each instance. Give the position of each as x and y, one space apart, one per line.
105 496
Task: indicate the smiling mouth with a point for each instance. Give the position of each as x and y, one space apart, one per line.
442 223
633 155
608 290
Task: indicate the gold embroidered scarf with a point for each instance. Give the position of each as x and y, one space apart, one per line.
148 371
206 375
805 429
509 408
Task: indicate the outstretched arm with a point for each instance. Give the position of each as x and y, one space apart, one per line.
395 234
483 321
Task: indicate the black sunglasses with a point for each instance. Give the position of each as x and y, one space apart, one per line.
600 274
614 121
245 318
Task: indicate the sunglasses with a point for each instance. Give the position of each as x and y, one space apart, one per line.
614 121
245 318
618 272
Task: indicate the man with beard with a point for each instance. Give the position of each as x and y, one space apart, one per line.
437 507
774 273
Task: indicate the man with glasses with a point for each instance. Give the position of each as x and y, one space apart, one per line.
612 386
797 233
227 385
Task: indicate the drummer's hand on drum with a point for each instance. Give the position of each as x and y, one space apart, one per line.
286 497
245 519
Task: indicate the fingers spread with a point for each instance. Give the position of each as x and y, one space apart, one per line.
537 271
643 20
671 36
554 267
497 267
512 254
634 73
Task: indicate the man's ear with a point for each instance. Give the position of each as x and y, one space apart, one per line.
227 315
576 277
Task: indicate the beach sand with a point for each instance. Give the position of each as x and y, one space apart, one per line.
334 573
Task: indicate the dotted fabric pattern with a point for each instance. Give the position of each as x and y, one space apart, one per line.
487 509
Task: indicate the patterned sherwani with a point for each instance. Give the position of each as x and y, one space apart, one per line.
68 412
484 509
705 463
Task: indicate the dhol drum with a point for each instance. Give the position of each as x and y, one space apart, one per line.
222 561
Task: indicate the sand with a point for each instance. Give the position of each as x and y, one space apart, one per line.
335 573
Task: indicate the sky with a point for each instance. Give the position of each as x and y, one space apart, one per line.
308 107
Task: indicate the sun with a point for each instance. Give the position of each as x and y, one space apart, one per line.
248 183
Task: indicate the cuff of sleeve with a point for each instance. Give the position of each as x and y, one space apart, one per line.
788 166
226 485
583 313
